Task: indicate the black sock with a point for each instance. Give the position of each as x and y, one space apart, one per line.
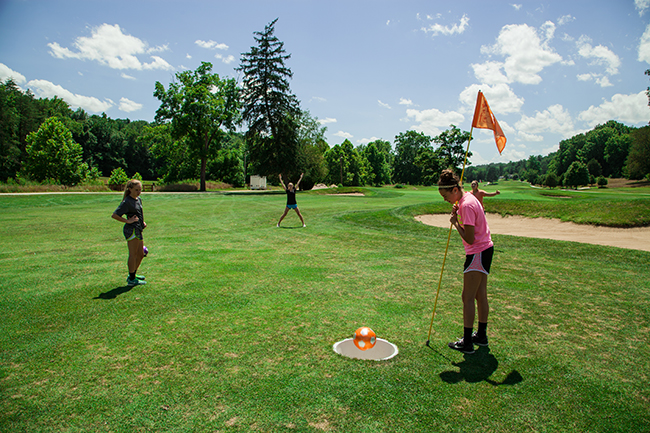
132 275
482 330
467 338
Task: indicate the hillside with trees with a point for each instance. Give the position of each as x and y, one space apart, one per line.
612 150
208 128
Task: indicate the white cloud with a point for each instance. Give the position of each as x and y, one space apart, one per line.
343 135
601 80
437 29
433 121
404 101
128 77
551 149
529 137
188 56
158 63
631 108
318 99
128 105
226 59
644 45
548 30
500 97
516 6
526 53
211 45
601 55
158 49
510 153
477 159
489 72
367 140
6 72
642 5
555 119
383 104
110 47
46 89
326 120
564 19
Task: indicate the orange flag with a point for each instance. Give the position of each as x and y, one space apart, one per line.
484 119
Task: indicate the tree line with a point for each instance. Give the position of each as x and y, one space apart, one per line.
209 128
611 150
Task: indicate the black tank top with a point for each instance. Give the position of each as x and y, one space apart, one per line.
291 197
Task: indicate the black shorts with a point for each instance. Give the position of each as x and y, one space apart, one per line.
131 232
479 262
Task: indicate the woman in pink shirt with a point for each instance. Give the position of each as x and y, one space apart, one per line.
469 219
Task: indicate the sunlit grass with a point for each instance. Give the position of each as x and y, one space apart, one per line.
234 330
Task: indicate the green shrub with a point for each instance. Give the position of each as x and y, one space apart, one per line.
118 177
551 180
602 181
178 187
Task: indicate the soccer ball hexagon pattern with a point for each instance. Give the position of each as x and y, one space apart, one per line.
364 338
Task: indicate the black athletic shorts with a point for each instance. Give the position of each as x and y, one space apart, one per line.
479 262
131 232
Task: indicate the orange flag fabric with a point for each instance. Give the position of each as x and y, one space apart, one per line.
484 119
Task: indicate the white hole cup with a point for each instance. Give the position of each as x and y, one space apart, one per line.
382 351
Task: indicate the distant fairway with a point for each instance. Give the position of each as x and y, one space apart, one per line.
234 330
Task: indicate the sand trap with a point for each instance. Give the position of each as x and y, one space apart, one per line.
637 238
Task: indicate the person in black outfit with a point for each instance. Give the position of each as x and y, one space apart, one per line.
291 200
134 224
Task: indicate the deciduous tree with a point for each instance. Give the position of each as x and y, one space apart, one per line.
407 147
638 160
577 174
52 154
200 105
379 167
451 148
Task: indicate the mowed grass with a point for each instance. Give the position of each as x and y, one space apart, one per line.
234 330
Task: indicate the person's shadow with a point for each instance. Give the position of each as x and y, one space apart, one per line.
478 367
114 293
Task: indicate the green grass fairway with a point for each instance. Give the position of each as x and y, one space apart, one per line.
234 330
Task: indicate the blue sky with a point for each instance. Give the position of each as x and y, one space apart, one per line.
365 69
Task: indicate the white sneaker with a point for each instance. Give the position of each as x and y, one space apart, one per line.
304 225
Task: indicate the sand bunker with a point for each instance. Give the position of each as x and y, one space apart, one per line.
637 238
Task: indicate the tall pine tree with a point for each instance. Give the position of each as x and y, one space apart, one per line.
271 111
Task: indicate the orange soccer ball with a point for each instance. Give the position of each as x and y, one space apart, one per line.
364 338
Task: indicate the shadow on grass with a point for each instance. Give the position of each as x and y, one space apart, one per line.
112 294
291 228
478 367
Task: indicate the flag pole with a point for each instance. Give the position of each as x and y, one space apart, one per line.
451 226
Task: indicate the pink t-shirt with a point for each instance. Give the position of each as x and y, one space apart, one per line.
471 213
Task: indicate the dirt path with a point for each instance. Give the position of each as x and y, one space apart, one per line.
634 238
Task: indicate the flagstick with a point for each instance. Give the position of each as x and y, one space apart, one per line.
442 269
